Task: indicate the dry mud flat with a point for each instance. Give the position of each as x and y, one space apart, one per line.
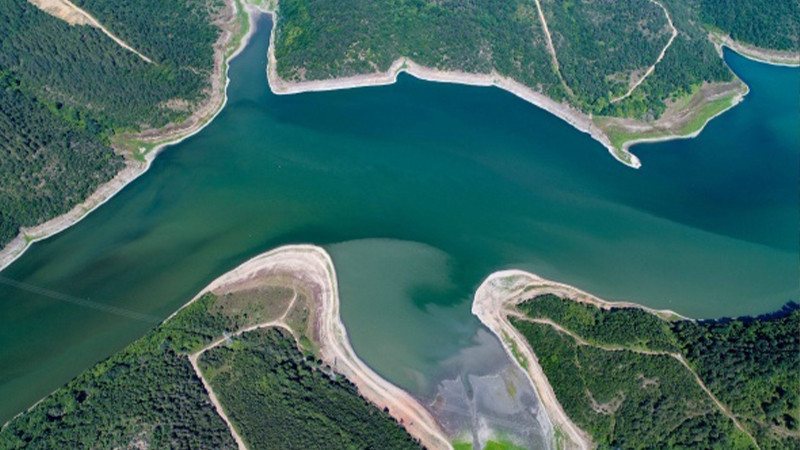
495 297
496 300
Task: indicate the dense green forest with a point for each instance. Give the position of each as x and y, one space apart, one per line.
148 395
602 46
280 399
629 400
80 67
690 61
773 24
66 90
323 39
750 364
628 327
154 33
753 367
51 158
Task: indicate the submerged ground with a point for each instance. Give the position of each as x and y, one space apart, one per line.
456 181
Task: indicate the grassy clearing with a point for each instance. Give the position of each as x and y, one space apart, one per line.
257 305
697 119
502 445
512 344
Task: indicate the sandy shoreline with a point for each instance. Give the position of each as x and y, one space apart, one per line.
170 135
173 134
496 300
313 265
772 57
580 121
498 295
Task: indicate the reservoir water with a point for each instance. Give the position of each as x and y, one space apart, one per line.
419 190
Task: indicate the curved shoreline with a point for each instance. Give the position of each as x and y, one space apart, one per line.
758 54
496 300
580 121
737 98
134 168
315 266
498 295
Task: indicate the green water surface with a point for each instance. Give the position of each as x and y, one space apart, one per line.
420 190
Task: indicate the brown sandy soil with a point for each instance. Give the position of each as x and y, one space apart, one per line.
496 300
69 12
63 11
312 268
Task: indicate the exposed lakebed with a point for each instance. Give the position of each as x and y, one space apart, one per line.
419 190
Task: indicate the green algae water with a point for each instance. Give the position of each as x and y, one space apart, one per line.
419 190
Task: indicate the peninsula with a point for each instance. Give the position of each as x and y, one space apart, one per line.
197 380
622 375
649 72
265 344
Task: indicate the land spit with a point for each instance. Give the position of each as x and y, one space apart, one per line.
312 266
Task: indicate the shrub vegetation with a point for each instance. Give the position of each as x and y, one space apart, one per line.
148 395
630 362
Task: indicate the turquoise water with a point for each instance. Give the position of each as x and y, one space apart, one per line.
446 183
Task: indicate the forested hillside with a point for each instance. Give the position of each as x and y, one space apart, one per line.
80 67
629 400
52 158
690 62
66 90
602 47
771 24
628 356
144 396
753 366
279 399
155 34
324 39
148 395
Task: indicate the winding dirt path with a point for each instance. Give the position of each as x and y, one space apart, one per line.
212 396
660 55
171 134
71 13
313 266
552 48
496 300
497 295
